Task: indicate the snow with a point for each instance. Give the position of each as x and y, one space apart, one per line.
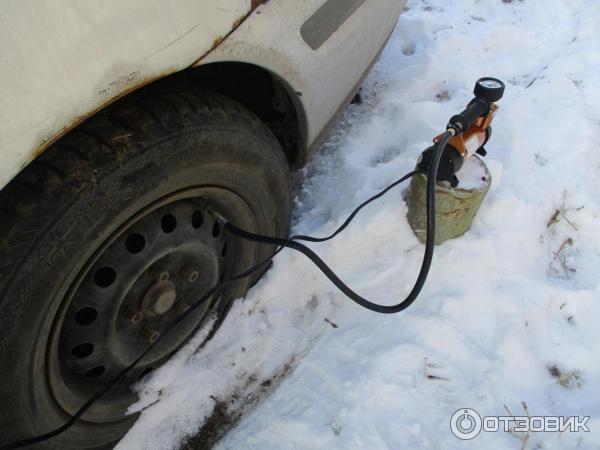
510 311
473 174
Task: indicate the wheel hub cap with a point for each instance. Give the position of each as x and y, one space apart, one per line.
159 299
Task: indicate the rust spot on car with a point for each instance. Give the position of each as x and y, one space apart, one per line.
216 42
238 22
52 137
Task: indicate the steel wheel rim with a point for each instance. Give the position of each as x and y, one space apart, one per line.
77 365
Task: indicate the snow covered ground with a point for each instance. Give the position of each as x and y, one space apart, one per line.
511 311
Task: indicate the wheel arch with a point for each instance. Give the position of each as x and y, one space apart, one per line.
264 93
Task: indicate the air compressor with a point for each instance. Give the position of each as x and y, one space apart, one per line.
471 130
456 206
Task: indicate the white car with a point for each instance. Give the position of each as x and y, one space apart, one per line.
120 123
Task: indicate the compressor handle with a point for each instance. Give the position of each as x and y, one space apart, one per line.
478 107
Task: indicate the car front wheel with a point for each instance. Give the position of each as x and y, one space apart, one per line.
105 240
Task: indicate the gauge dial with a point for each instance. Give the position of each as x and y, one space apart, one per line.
490 83
489 89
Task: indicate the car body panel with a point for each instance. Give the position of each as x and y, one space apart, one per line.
61 61
321 78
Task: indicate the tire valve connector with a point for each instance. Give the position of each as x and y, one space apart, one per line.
471 130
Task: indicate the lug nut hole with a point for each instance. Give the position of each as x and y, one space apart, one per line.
168 223
105 276
83 350
197 219
216 230
86 316
135 243
95 372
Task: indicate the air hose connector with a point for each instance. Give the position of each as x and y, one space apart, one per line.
216 216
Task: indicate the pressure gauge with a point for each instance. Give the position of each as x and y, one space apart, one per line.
490 89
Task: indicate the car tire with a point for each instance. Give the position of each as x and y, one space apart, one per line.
110 222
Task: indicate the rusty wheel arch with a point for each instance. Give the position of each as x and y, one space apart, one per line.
262 92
